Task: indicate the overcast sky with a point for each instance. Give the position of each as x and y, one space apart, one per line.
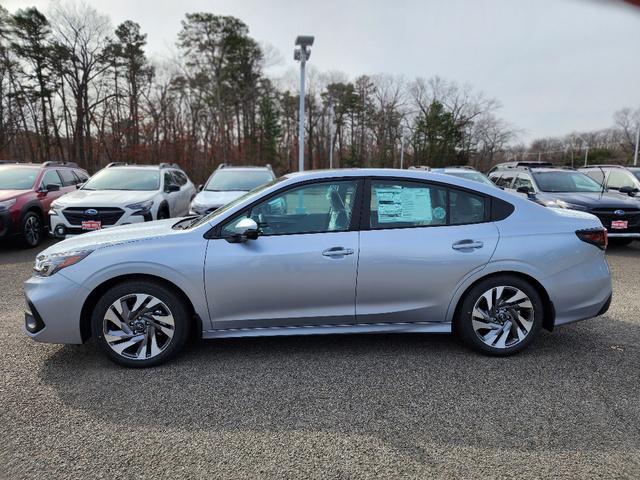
556 66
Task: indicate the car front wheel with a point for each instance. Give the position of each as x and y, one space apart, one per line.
31 230
500 315
140 324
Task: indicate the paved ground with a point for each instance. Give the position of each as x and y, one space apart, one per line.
331 407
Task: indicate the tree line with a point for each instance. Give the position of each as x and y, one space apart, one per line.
73 88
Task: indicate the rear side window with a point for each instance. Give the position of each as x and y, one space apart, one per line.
407 204
51 177
403 204
68 178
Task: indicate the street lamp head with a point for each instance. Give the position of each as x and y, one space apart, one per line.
304 41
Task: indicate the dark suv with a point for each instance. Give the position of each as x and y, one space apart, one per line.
567 188
26 192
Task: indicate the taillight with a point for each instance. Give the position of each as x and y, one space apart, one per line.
596 236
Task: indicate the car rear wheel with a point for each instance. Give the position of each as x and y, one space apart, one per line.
31 230
500 315
140 324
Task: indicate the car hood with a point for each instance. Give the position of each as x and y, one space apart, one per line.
115 235
9 194
595 199
215 199
103 198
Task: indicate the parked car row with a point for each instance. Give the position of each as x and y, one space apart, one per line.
63 200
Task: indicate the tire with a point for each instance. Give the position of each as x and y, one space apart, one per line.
490 322
163 213
31 230
142 340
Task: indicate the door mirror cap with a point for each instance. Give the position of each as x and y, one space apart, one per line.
525 190
200 187
246 229
172 188
629 191
79 185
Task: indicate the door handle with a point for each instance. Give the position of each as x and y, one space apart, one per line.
337 252
467 245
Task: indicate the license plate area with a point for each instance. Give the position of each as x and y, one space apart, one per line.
619 224
91 224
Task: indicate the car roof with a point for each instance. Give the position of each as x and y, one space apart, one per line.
244 167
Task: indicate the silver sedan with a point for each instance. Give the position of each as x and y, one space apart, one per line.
344 251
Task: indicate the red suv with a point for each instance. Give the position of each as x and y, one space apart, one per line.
26 192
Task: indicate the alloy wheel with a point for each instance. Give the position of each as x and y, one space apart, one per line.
138 326
502 317
32 230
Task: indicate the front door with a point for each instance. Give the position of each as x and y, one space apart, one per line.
423 240
300 271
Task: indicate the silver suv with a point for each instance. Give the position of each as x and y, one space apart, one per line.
343 251
121 194
228 183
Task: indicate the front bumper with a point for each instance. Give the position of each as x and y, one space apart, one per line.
62 228
55 302
6 224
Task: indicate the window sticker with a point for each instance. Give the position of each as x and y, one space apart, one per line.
399 204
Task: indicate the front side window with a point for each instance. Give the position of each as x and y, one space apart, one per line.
315 208
398 204
51 177
124 179
523 180
180 177
505 180
619 179
68 178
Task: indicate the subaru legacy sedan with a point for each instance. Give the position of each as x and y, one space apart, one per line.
327 252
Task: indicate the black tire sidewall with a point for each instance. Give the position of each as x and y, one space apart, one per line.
175 303
23 236
463 323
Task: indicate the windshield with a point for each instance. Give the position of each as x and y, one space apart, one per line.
17 178
207 218
124 179
471 175
566 182
237 180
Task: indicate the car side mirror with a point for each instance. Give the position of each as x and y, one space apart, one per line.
629 191
246 229
526 190
200 187
51 187
79 185
172 188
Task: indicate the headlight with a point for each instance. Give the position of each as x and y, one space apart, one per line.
7 204
141 206
55 208
47 265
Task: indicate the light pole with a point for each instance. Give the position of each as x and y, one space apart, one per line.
635 155
402 148
331 122
586 155
302 53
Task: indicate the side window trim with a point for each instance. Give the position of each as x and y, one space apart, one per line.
356 214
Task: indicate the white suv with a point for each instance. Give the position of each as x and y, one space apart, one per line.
121 194
227 183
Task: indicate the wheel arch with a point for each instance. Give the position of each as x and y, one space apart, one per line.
549 312
98 291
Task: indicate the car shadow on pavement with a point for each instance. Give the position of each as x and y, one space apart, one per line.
565 392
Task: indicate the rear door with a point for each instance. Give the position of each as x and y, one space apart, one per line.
422 240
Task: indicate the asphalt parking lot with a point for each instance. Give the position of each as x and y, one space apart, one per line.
366 406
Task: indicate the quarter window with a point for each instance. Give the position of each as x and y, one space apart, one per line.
315 208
